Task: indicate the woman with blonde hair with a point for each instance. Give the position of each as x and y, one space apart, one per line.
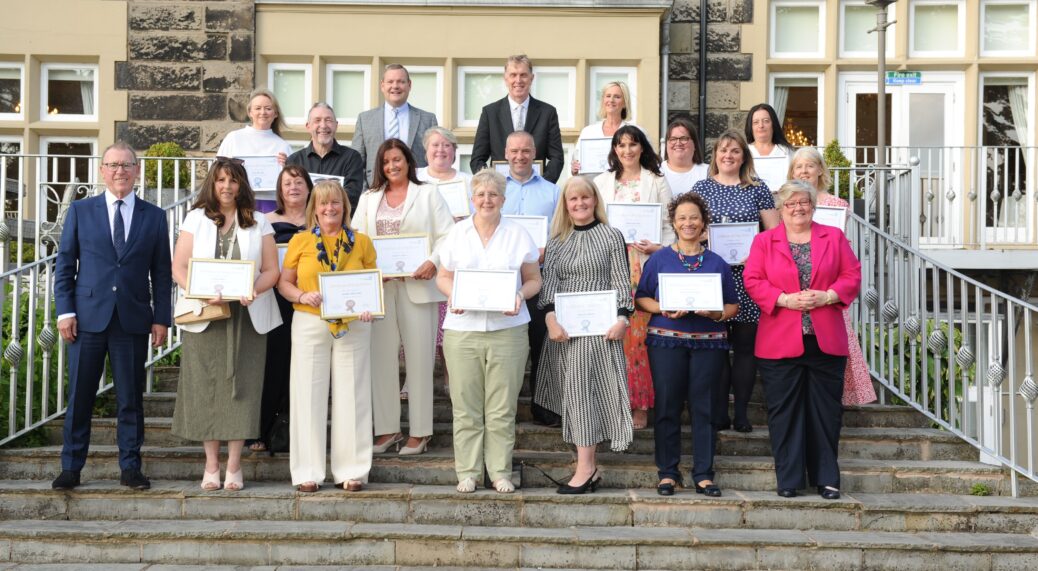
613 113
260 138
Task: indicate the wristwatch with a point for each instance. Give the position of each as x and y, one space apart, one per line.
626 321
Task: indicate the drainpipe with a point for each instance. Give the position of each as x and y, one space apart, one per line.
702 78
665 72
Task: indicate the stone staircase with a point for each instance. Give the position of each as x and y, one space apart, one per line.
906 505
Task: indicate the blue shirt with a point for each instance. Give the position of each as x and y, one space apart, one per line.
403 118
535 197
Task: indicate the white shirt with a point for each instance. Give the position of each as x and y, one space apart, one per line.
249 142
520 111
508 249
424 176
403 118
682 182
772 168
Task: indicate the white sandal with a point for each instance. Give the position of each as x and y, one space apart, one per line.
467 486
504 486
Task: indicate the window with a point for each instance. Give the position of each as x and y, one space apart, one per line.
291 83
798 101
798 28
600 76
937 28
1007 27
349 90
11 90
68 178
10 173
1007 127
557 86
856 19
478 86
68 92
427 89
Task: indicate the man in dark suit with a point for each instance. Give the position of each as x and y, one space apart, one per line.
519 112
395 119
112 283
324 155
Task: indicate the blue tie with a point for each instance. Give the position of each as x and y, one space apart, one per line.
394 125
119 229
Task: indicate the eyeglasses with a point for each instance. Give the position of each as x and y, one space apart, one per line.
679 140
794 203
117 166
230 160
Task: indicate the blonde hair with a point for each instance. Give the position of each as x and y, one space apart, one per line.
825 179
279 122
519 59
625 112
323 192
562 224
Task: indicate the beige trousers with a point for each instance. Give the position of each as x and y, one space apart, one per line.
320 362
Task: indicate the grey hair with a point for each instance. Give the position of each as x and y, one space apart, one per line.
794 186
441 131
521 135
320 105
517 60
488 178
121 146
392 66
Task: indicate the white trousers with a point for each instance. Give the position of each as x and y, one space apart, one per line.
414 324
320 360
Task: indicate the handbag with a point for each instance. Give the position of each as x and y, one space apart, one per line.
196 311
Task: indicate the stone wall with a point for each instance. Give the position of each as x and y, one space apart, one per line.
190 69
726 67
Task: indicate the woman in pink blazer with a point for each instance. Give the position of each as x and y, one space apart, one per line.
802 275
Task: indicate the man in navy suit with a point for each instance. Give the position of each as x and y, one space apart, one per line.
112 284
519 112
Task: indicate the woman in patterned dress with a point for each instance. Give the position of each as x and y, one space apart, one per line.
733 193
634 176
584 377
809 166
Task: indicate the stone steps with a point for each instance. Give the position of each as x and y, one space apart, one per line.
253 542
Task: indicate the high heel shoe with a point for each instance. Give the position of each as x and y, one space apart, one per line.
211 480
590 485
710 490
391 443
233 481
423 444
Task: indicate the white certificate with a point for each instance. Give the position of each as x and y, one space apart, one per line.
772 170
350 293
536 226
484 290
835 216
637 220
316 178
282 250
231 279
262 172
691 292
732 241
585 314
594 155
399 256
503 167
456 196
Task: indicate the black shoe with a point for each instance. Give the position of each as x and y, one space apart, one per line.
743 427
787 492
722 426
828 493
710 490
549 420
665 489
67 480
134 479
590 485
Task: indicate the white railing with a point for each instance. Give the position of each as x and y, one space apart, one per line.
38 190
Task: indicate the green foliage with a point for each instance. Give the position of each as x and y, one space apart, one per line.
151 168
980 490
834 157
28 253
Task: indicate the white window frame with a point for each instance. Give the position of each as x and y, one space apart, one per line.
438 70
982 82
632 87
891 31
45 70
961 40
94 160
819 78
462 72
293 116
20 115
1032 8
329 93
773 19
571 81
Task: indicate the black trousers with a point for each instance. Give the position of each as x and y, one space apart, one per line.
276 371
537 332
738 376
805 415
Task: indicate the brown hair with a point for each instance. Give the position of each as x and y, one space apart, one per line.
378 178
245 203
292 170
747 174
686 122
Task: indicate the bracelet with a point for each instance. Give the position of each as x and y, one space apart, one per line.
830 298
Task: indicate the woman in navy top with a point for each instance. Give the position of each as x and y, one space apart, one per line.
687 350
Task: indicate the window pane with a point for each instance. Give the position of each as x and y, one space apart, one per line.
290 89
10 90
800 121
554 88
347 93
70 91
424 94
1005 27
481 89
857 21
796 29
1005 168
936 28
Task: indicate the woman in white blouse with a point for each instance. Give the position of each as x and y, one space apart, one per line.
486 351
261 138
769 148
613 112
683 164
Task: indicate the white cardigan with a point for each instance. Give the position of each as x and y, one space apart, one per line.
653 189
263 311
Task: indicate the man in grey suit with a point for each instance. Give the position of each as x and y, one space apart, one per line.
395 119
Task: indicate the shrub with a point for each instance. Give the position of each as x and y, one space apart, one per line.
834 157
151 168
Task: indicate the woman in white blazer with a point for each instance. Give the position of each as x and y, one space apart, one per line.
399 204
634 176
221 368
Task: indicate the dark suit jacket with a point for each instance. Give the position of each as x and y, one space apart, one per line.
90 281
495 125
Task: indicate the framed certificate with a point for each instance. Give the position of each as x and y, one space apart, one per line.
594 155
732 241
536 226
637 220
399 256
502 167
350 293
484 290
772 170
587 313
262 172
835 216
691 292
282 250
456 195
231 279
316 178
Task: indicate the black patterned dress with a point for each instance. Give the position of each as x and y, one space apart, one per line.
584 380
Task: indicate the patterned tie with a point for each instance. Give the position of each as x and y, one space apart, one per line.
394 125
119 229
522 118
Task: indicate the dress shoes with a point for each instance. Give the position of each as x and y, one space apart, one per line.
665 488
787 492
829 492
709 490
67 480
589 486
133 478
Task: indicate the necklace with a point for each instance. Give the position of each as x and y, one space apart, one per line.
690 266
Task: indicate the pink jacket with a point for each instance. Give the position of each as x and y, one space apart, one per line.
770 271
